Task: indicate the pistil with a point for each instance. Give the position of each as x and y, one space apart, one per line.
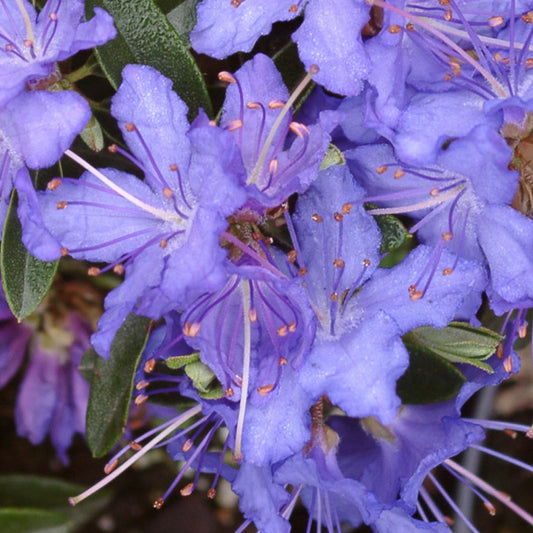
284 110
247 349
428 25
158 213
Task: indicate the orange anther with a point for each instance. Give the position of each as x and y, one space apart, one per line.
53 184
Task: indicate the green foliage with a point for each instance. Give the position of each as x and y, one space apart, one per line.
183 18
15 520
429 379
178 361
38 504
25 278
457 343
432 376
93 136
333 156
146 36
112 383
204 380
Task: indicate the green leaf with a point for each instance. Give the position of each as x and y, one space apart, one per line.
177 361
333 156
112 384
18 490
25 278
168 5
87 363
292 71
200 374
146 36
429 379
183 18
93 135
15 520
51 494
458 343
204 380
393 233
214 393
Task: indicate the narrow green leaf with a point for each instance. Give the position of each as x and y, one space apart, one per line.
200 374
333 156
458 343
16 520
168 5
146 36
183 18
429 379
112 384
87 364
393 233
177 361
292 70
204 380
51 494
36 491
25 279
93 136
214 393
287 61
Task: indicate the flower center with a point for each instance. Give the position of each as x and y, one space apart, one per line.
520 139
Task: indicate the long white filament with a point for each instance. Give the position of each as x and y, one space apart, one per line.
489 489
454 46
245 369
491 41
27 21
156 440
159 213
261 159
416 207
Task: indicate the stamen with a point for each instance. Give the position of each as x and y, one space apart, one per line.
135 446
290 506
235 124
53 184
490 41
226 77
299 129
435 200
52 21
489 489
109 467
149 366
191 329
495 21
431 26
27 21
164 215
268 142
276 104
503 457
508 364
247 250
431 504
399 173
265 389
74 500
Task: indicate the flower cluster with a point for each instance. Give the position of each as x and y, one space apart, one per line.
317 265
